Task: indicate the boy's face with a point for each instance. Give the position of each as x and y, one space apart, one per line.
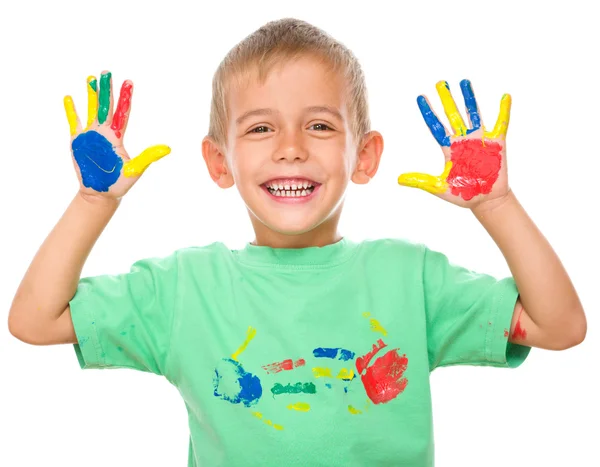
290 150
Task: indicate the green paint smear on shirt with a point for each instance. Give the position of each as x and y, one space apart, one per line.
306 388
104 99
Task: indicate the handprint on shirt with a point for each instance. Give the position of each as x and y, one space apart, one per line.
382 378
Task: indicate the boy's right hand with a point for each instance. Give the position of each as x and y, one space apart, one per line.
103 166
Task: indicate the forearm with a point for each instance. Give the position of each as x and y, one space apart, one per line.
545 289
51 280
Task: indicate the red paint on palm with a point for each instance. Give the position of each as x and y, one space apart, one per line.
383 380
475 167
122 108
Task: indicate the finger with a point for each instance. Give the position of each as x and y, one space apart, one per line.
73 119
456 121
121 115
139 164
471 105
430 183
438 130
501 126
105 99
92 92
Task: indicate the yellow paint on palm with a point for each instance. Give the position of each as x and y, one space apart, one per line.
299 406
92 91
353 411
139 164
427 182
346 374
320 372
71 114
501 127
249 336
456 121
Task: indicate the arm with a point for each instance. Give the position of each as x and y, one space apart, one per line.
40 311
548 314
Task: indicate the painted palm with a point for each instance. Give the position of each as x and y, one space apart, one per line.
475 159
100 158
380 370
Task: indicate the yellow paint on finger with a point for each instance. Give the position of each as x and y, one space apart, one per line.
92 92
299 406
346 374
71 114
501 127
320 372
430 183
354 411
456 121
139 164
249 336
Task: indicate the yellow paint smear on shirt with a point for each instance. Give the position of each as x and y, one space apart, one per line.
299 406
249 336
353 411
320 372
345 374
268 422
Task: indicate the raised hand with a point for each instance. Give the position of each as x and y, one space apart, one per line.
475 159
101 161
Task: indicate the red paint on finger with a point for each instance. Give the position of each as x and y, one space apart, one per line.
123 107
475 167
286 365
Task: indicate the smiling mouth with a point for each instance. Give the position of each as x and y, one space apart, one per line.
291 188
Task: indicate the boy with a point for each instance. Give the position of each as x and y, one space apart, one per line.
303 348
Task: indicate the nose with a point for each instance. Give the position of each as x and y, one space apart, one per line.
290 147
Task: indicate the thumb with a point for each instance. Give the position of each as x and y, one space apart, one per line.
136 166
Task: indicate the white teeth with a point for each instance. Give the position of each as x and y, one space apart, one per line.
287 193
294 186
303 192
280 186
287 186
304 185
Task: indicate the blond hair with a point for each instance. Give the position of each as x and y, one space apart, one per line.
274 43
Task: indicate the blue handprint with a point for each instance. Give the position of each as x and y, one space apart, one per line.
100 165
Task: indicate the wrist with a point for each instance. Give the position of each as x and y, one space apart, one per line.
494 205
98 201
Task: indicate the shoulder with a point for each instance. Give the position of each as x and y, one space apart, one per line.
393 248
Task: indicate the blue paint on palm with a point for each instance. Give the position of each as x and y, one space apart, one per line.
234 384
98 162
435 126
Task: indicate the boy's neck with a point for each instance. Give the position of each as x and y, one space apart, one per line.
324 234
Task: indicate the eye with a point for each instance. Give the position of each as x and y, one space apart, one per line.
321 127
260 129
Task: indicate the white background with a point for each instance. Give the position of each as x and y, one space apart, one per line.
543 414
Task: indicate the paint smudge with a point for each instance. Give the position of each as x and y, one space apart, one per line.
506 333
297 388
519 331
375 325
99 164
299 407
320 372
475 167
354 411
327 385
346 374
234 384
383 381
286 365
122 111
268 422
333 353
250 333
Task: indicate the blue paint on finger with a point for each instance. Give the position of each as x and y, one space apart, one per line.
435 126
98 162
471 105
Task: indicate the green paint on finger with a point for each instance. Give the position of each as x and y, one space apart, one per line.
104 99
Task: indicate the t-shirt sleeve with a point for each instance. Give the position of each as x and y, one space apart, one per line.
468 316
124 321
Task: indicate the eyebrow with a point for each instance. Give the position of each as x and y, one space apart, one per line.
313 109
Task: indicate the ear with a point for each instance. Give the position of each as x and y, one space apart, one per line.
216 163
369 156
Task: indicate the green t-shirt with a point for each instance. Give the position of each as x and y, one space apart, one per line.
299 357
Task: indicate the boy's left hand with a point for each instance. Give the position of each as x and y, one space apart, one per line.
475 170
